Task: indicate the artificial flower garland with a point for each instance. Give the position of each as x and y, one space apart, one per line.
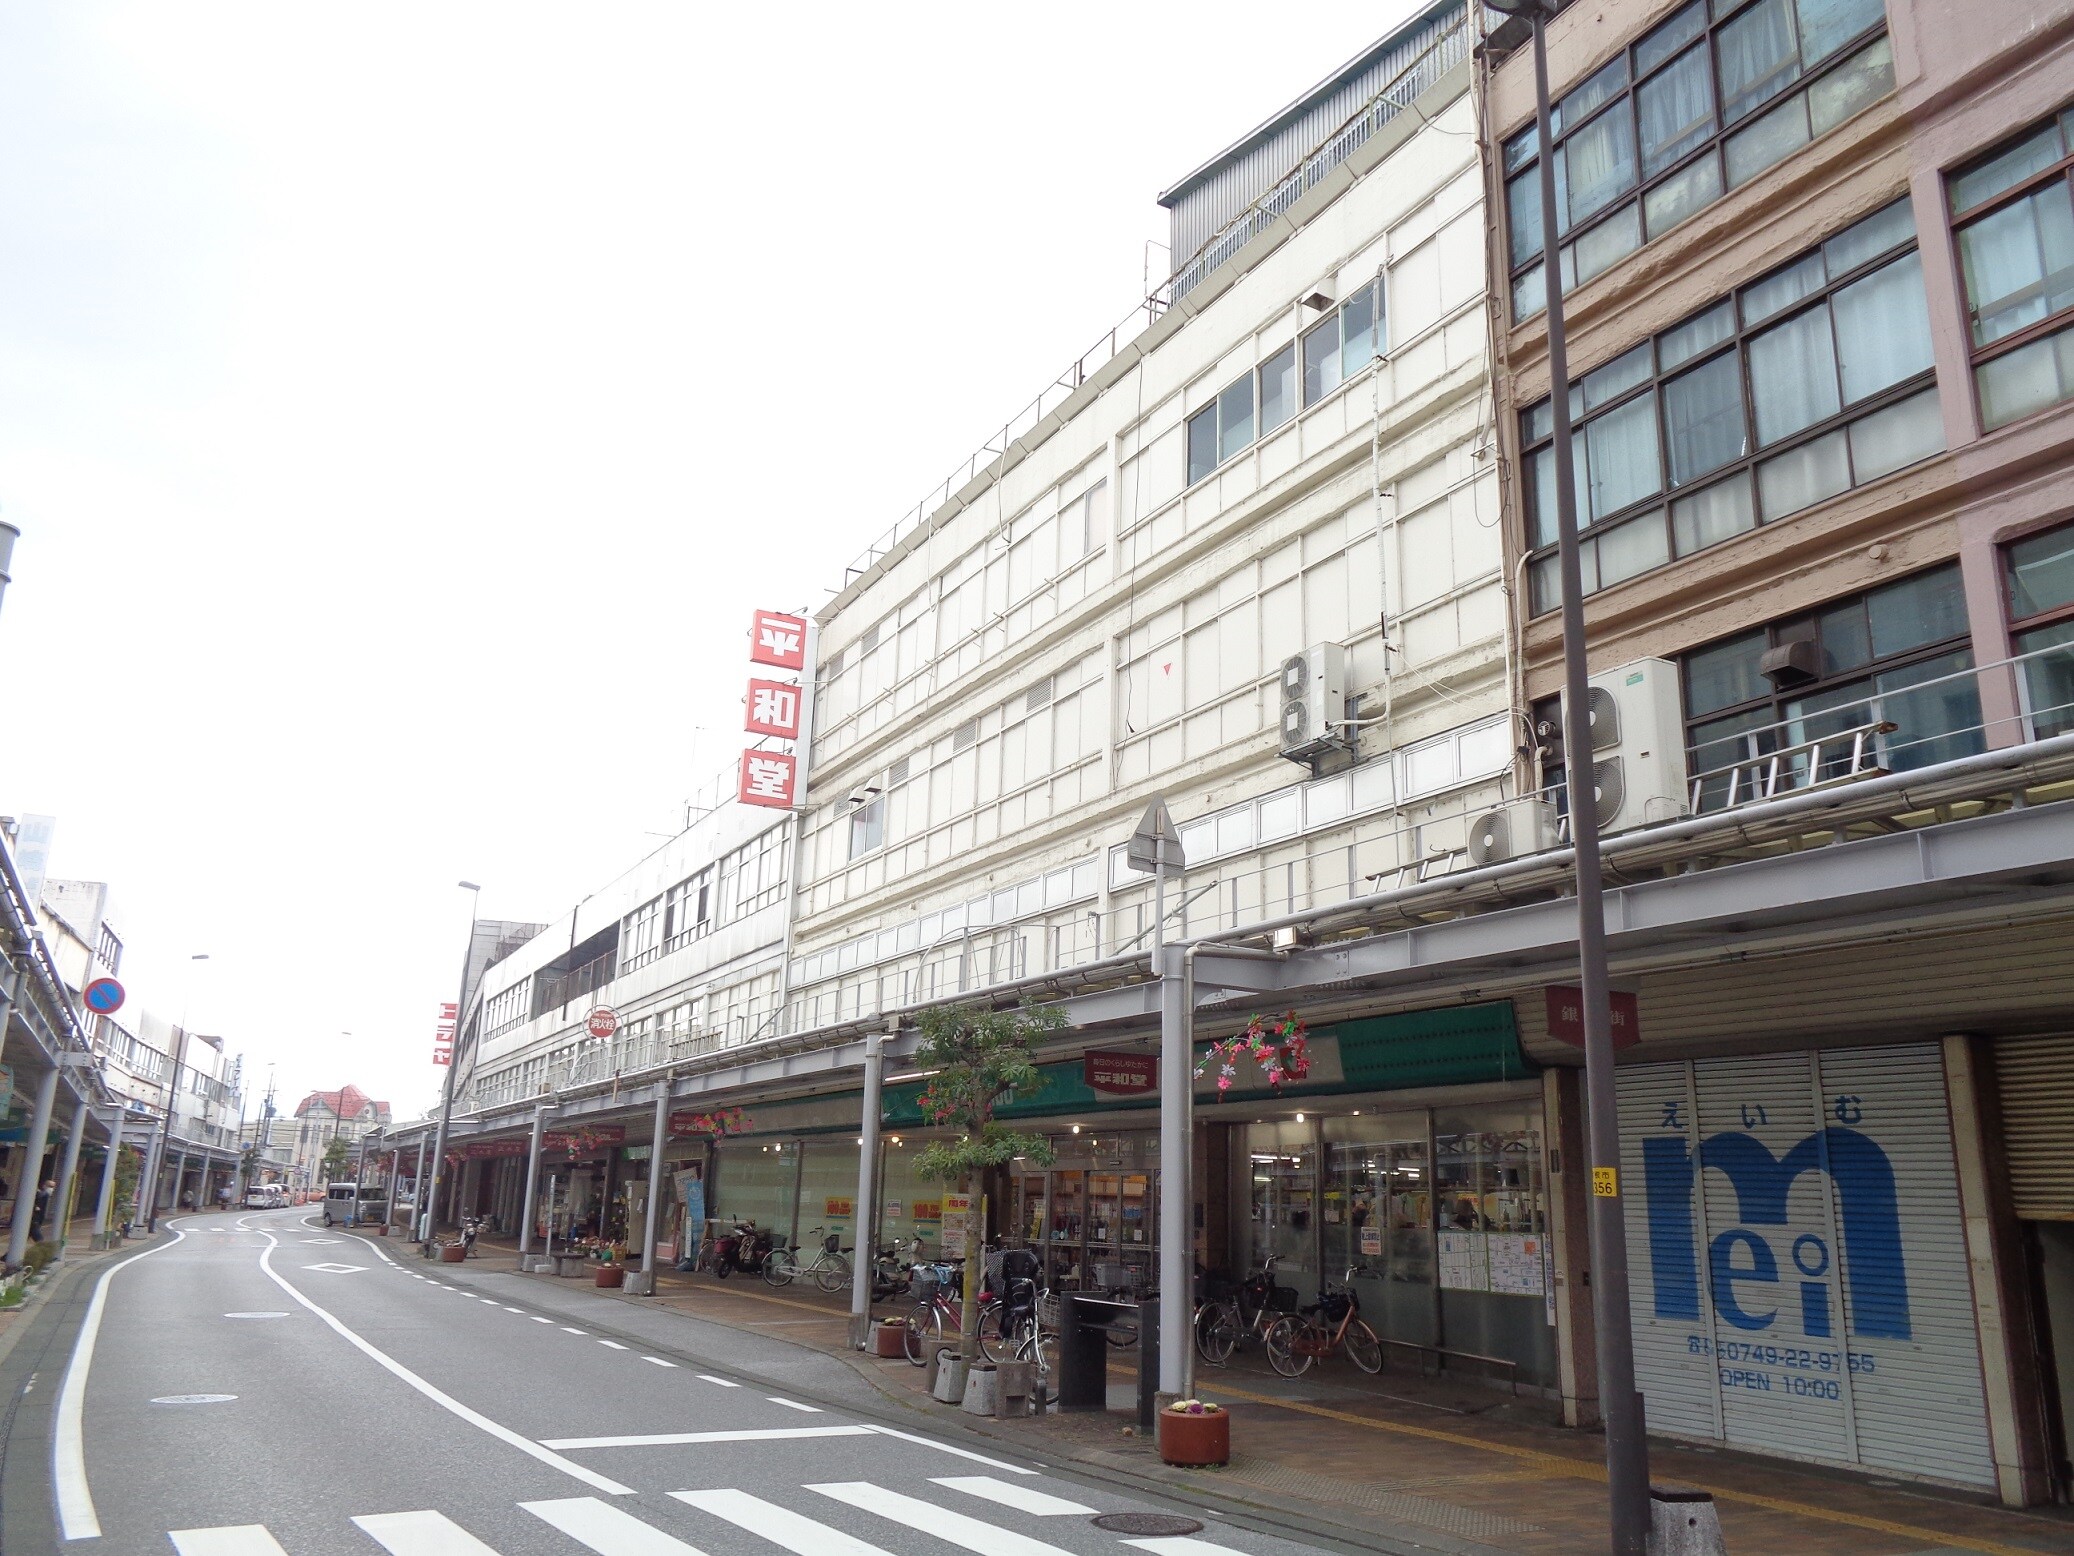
1280 1046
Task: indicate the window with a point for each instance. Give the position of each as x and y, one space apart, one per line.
2039 572
1344 342
1811 380
1896 654
867 826
641 935
1688 111
2013 214
1221 428
686 907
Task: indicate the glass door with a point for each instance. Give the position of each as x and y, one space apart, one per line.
1066 1219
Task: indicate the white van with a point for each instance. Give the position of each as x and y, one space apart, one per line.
264 1196
340 1199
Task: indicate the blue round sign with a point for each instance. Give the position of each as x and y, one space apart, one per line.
103 996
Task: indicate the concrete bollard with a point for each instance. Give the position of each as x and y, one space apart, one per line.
951 1370
981 1389
1683 1522
638 1283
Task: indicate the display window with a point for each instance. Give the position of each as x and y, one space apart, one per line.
754 1181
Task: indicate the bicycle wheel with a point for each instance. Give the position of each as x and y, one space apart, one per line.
1123 1337
778 1268
1281 1347
1039 1345
1217 1330
922 1324
1364 1350
834 1273
994 1346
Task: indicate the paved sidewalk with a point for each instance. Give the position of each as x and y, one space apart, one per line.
1419 1464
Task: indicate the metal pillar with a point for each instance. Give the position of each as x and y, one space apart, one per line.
61 1202
453 1063
650 1211
417 1186
32 1165
532 1186
867 1194
107 1195
1627 1448
1176 1129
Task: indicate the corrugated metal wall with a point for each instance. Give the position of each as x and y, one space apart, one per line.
2035 1079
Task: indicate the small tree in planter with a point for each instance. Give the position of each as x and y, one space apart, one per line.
979 1056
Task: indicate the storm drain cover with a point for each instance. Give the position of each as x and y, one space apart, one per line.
1147 1523
193 1399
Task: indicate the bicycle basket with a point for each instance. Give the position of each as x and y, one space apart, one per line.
1285 1299
1047 1311
1334 1306
832 1243
926 1282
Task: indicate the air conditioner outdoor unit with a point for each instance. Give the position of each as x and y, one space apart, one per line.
1512 831
1314 701
1638 745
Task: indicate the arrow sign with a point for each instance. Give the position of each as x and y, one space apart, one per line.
1155 848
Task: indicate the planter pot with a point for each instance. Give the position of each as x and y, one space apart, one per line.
453 1253
1195 1440
890 1339
981 1391
611 1275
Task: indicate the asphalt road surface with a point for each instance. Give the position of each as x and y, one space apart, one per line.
258 1386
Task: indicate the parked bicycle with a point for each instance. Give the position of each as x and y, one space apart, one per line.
1008 1325
1330 1324
829 1269
938 1290
891 1276
1223 1324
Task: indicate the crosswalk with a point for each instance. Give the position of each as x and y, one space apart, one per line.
735 1520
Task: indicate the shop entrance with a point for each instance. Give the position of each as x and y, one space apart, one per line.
1093 1215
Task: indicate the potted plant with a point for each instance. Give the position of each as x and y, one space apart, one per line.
610 1273
1195 1432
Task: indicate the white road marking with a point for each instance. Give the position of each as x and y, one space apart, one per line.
421 1534
491 1300
726 1383
1024 1499
1182 1545
926 1518
255 1315
194 1399
538 1319
567 1330
613 1343
658 1361
963 1453
232 1540
510 1309
77 1519
781 1526
744 1435
608 1530
337 1269
439 1397
793 1404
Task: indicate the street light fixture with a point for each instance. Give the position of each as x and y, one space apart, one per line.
1627 1447
428 1199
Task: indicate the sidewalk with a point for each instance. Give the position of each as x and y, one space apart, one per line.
1431 1462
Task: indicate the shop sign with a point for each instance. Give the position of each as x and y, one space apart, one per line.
1566 1016
928 1210
1371 1242
773 709
636 1153
778 640
834 1208
721 1121
893 1209
480 1149
1121 1075
585 1142
957 1224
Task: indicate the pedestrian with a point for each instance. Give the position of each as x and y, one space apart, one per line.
223 1197
40 1210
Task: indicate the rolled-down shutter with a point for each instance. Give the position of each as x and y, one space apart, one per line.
2035 1076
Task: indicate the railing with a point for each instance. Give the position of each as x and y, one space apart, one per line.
578 981
1440 56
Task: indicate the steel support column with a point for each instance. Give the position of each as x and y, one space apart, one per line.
32 1165
867 1193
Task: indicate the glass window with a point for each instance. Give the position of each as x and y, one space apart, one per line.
1360 341
1726 674
1883 328
1621 457
1716 513
1682 342
1234 417
1202 443
1783 288
1793 376
2048 685
1321 360
1657 120
1277 389
2041 573
2016 255
1604 385
1927 608
1703 418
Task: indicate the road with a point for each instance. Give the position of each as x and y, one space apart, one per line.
256 1385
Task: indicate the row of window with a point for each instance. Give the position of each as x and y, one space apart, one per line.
1254 404
1674 121
1808 381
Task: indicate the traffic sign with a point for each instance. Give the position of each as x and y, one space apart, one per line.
1155 848
103 996
602 1022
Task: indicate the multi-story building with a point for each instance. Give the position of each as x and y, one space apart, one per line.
324 1116
1819 270
1280 556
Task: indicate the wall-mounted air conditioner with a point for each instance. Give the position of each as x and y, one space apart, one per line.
1638 745
1314 702
1512 831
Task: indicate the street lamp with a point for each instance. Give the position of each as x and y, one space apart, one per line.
1627 1448
428 1202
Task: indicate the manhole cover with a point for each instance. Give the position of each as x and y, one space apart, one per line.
193 1399
1147 1523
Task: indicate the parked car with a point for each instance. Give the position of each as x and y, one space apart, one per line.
340 1200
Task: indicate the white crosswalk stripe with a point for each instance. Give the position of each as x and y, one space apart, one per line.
421 1534
926 1518
781 1526
608 1530
1182 1545
234 1540
1024 1499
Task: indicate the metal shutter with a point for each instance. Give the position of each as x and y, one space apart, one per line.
2035 1076
1800 1281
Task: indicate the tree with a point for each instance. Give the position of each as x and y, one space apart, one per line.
980 1056
336 1156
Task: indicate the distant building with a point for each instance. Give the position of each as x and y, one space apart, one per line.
321 1117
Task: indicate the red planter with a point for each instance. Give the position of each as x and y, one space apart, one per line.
1195 1440
453 1253
891 1339
609 1275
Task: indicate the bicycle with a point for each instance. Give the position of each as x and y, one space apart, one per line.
936 1288
1327 1325
830 1270
1223 1324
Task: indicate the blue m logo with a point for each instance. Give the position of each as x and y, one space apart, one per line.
1740 1257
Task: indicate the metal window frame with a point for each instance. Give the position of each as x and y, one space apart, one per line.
2050 617
1737 342
1714 18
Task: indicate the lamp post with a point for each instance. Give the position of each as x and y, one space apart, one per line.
1627 1447
428 1207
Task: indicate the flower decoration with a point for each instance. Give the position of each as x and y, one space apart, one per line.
1195 1407
722 1121
1280 1046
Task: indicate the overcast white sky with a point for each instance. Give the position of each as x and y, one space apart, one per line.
403 404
